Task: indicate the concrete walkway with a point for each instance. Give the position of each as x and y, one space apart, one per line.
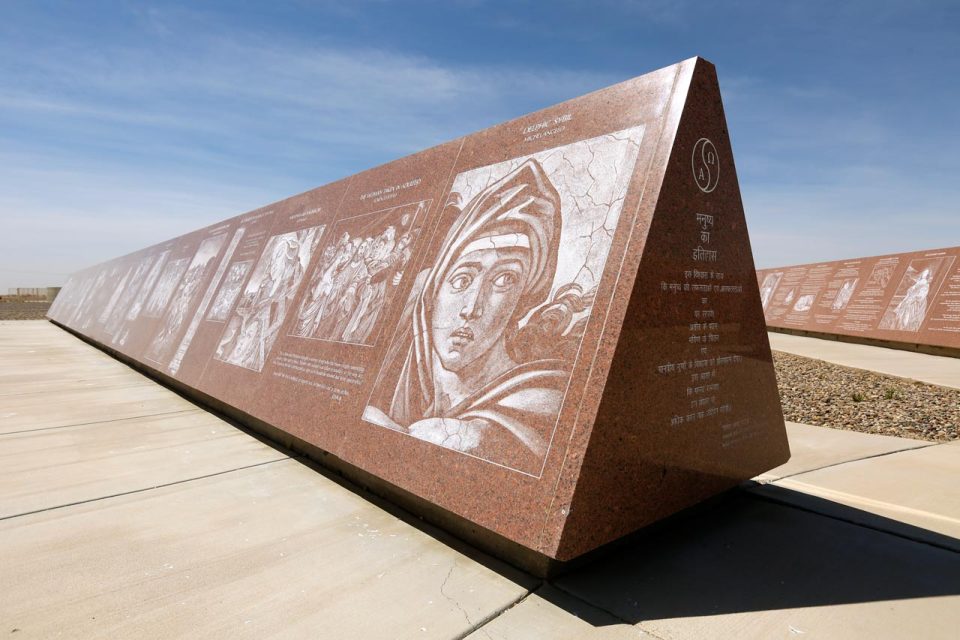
128 512
940 370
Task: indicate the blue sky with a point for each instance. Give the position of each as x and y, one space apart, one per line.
124 123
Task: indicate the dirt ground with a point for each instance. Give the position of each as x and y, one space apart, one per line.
23 310
828 395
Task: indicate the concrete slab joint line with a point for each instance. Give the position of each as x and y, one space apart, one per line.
143 490
851 460
478 626
96 422
815 448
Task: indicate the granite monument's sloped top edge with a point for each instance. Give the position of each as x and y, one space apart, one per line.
909 297
447 322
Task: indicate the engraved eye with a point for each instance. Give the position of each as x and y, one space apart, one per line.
460 281
505 280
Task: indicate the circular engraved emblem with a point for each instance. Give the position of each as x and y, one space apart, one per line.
706 167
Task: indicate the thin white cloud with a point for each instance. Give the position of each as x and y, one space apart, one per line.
796 224
138 144
219 82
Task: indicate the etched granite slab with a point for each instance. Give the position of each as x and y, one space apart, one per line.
902 298
543 336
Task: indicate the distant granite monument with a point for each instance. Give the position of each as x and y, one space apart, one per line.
903 300
542 336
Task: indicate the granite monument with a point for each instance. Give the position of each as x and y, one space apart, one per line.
905 300
542 336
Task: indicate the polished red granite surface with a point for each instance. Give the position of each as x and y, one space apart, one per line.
903 297
550 328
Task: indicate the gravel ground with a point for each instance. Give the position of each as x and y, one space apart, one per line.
23 310
828 395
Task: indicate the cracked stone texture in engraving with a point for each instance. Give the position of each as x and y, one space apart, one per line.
512 331
550 217
591 178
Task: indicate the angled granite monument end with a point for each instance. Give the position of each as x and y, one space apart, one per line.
544 335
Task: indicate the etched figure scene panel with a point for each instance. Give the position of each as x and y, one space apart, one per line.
358 274
84 289
804 302
769 287
129 287
882 273
486 341
99 296
181 302
914 295
107 310
255 323
842 299
201 309
137 306
140 301
229 291
168 281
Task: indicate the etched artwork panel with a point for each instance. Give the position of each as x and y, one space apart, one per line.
179 307
844 294
80 300
804 302
132 284
156 268
357 274
115 297
229 291
255 323
169 278
100 296
908 307
881 274
769 286
201 310
489 334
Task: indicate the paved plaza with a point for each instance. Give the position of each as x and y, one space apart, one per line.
126 511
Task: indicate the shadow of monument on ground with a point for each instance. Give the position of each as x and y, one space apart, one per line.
739 552
746 553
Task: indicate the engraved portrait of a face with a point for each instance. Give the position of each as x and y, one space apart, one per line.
485 344
464 380
474 304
